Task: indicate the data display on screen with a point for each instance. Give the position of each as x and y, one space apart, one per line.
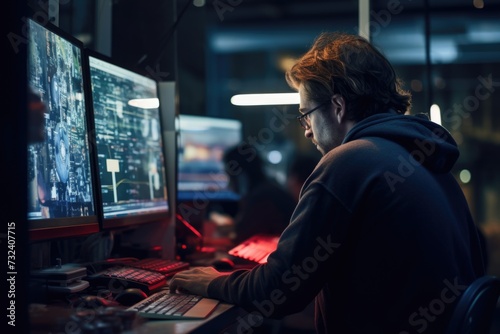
129 142
60 179
202 143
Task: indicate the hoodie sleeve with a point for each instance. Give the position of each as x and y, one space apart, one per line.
297 270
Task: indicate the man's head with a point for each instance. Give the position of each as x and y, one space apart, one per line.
349 79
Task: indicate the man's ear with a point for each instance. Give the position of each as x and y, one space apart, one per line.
339 108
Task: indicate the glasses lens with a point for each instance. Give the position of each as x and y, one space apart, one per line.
304 121
304 118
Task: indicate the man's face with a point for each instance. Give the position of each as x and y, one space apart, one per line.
325 131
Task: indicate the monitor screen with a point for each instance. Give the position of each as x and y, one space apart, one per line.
61 196
202 143
129 144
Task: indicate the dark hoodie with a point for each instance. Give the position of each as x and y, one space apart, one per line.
382 236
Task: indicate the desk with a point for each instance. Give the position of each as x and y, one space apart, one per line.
222 320
46 319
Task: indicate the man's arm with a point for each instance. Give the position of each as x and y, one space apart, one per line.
290 274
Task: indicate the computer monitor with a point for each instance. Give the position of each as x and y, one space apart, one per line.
202 143
129 144
61 194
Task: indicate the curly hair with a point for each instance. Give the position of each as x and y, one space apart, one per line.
352 67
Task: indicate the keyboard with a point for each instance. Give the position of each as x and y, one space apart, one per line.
166 305
256 248
118 278
166 267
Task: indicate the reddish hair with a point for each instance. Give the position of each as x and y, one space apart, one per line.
352 67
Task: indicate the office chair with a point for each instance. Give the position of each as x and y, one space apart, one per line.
474 311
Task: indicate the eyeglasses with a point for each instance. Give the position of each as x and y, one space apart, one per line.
304 118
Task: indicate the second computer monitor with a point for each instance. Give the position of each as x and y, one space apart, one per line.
202 143
129 143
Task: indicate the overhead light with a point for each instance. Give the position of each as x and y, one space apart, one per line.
274 157
465 176
145 103
436 114
199 3
479 4
285 63
265 99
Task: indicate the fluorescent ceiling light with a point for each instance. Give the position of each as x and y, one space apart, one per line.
145 103
265 99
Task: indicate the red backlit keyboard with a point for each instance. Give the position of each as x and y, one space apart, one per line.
122 277
256 248
164 266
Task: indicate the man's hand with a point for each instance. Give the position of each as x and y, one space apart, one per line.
194 280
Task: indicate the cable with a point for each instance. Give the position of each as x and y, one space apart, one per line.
189 226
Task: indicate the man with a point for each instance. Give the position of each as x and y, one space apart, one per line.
382 236
260 193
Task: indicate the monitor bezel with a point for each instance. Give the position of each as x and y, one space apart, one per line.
59 228
129 221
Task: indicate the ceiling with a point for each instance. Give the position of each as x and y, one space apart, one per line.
459 31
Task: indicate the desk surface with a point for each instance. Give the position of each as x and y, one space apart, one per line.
221 319
47 319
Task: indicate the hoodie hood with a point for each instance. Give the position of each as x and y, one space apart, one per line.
428 143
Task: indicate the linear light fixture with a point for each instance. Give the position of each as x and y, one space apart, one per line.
151 103
265 99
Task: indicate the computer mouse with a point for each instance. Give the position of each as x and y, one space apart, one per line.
130 296
223 264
